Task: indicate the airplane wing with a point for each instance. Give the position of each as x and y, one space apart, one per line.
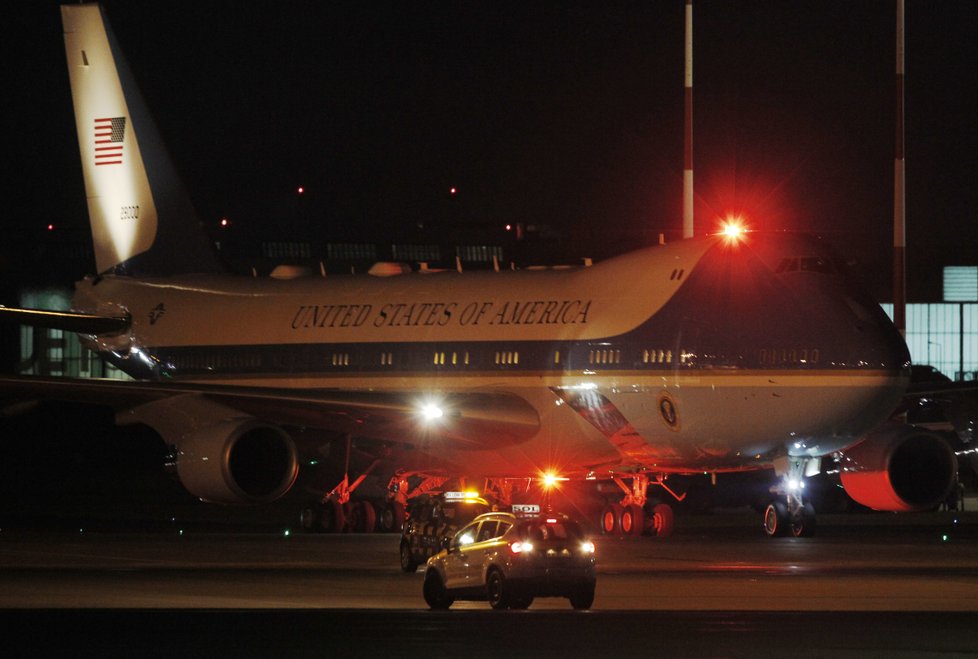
476 420
956 403
69 321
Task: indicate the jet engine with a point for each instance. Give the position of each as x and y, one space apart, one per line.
899 468
237 461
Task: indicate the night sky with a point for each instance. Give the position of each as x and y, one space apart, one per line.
560 114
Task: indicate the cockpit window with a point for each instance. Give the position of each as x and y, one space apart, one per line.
816 264
810 264
787 265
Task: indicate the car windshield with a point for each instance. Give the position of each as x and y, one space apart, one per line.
543 531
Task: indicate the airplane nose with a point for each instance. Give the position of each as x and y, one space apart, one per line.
785 301
851 328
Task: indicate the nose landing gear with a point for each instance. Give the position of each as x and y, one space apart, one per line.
790 514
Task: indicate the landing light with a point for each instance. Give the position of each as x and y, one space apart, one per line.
551 479
430 412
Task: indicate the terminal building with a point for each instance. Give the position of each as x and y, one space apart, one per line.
944 335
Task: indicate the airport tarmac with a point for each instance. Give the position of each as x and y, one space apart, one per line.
867 585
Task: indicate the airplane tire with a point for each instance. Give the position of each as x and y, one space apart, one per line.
610 519
391 518
632 520
776 522
332 517
365 519
309 517
804 526
408 564
663 520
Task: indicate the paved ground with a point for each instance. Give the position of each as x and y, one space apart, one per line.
868 585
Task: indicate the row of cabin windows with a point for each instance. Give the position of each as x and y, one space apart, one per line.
604 357
453 358
775 356
507 357
600 357
218 362
439 358
657 356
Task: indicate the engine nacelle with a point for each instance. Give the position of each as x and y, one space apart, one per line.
237 461
899 468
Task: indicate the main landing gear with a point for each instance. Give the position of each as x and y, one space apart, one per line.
336 512
789 513
630 516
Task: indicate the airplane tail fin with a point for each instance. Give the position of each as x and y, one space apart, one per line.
141 217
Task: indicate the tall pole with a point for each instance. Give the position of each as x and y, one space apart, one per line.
688 131
899 193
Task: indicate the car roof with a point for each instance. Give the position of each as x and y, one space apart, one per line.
496 515
542 517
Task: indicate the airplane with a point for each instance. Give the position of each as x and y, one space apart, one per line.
722 353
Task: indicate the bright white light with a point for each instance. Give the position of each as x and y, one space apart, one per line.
587 547
550 479
733 230
430 412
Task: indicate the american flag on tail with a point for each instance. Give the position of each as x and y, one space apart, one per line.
109 135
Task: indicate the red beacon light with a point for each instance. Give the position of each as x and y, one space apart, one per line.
733 229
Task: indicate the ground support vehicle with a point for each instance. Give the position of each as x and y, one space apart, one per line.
432 520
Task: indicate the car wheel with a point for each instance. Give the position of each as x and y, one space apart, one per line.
408 564
435 593
583 598
497 591
522 602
